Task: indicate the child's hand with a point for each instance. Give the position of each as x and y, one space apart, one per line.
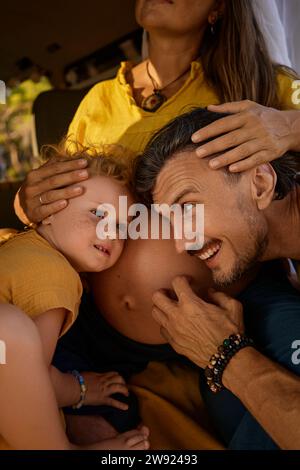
100 387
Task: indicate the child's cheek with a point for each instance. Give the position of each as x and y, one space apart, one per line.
84 224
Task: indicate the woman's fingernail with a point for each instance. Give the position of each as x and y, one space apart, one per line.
82 162
83 174
77 190
233 168
201 152
62 203
214 164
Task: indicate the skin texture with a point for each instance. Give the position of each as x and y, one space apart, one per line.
124 292
260 134
144 267
73 230
250 375
171 49
236 225
242 215
36 408
73 233
188 15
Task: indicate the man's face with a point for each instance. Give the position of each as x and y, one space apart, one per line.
235 231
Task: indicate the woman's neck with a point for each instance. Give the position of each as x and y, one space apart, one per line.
170 57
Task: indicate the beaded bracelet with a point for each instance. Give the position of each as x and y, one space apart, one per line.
83 389
217 363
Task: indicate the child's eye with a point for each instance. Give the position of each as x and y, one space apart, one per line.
98 212
188 206
122 228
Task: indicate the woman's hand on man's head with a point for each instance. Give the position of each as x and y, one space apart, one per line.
46 190
252 135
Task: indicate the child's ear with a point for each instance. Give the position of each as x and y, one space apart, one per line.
48 220
263 182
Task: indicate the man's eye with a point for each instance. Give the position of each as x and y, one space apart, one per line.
97 212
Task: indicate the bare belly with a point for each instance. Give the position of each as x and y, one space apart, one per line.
123 293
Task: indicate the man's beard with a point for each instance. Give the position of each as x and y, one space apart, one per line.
246 262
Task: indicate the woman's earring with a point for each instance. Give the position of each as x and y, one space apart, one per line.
212 24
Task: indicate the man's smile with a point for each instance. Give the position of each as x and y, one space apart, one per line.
209 251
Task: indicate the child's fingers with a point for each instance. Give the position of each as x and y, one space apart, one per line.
115 403
136 440
137 443
117 379
113 376
117 388
144 430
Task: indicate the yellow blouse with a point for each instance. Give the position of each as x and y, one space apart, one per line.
108 114
36 278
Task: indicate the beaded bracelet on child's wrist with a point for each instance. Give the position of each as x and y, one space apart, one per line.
83 389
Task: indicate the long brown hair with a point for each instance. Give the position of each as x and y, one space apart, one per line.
235 58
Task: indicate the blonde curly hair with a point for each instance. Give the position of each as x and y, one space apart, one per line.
110 161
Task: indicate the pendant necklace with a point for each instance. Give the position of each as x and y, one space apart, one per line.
157 98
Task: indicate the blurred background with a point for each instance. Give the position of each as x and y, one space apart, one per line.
52 53
58 46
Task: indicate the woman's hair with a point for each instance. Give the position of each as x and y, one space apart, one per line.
235 57
100 163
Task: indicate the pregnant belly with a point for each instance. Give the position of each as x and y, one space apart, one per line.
124 292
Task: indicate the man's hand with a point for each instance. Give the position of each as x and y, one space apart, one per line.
47 189
254 134
193 327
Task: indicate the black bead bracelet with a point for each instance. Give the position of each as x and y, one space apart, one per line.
218 361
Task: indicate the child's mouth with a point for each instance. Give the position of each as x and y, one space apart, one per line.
102 250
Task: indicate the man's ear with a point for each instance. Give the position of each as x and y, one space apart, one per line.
263 182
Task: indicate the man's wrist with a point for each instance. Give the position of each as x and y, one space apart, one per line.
220 359
237 371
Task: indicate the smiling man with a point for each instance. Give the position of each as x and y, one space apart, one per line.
249 217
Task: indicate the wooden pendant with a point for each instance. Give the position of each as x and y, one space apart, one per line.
153 102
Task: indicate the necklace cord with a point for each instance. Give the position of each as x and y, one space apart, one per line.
155 87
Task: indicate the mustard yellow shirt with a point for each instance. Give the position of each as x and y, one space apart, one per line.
36 278
108 114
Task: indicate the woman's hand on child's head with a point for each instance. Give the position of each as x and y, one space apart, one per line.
100 387
251 135
47 189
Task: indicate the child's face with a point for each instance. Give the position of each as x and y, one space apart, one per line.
73 230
